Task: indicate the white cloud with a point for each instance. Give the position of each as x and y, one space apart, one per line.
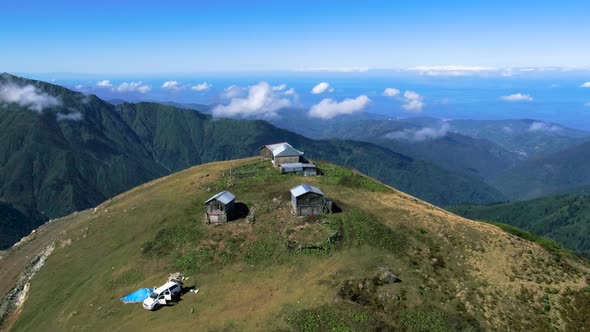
74 116
104 84
133 87
544 126
452 70
279 87
517 97
337 69
507 129
232 91
171 85
328 108
420 135
413 101
290 92
201 86
321 88
585 85
260 101
79 87
27 96
391 92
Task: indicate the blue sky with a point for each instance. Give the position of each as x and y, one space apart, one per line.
203 36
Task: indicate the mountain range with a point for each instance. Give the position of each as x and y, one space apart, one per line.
80 151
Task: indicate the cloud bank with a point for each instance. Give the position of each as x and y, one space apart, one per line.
517 97
28 96
321 88
337 69
452 70
104 84
585 85
420 135
328 108
544 126
259 101
133 87
413 101
125 86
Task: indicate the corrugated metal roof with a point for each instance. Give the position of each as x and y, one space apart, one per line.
297 165
224 197
283 150
304 189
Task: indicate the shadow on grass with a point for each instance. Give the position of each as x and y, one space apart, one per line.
241 211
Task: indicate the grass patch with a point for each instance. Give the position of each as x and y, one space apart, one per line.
338 175
355 227
341 317
170 239
548 244
577 309
124 279
429 319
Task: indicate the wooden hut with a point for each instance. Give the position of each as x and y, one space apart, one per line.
220 208
281 153
309 200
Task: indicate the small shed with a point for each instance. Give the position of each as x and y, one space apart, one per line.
309 200
220 208
281 153
306 169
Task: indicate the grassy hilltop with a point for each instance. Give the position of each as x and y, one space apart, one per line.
455 274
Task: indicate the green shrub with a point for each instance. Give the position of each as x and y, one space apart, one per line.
342 317
425 320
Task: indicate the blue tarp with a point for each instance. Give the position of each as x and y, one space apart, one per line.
137 296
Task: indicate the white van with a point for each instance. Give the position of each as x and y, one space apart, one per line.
168 292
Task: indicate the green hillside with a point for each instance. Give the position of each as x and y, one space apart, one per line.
456 274
57 167
522 136
563 218
560 172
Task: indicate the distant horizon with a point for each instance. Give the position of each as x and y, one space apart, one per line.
556 96
423 70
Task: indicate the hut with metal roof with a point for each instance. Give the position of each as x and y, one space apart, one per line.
281 153
309 200
220 208
306 169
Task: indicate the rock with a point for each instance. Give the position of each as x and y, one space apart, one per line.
386 276
251 218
